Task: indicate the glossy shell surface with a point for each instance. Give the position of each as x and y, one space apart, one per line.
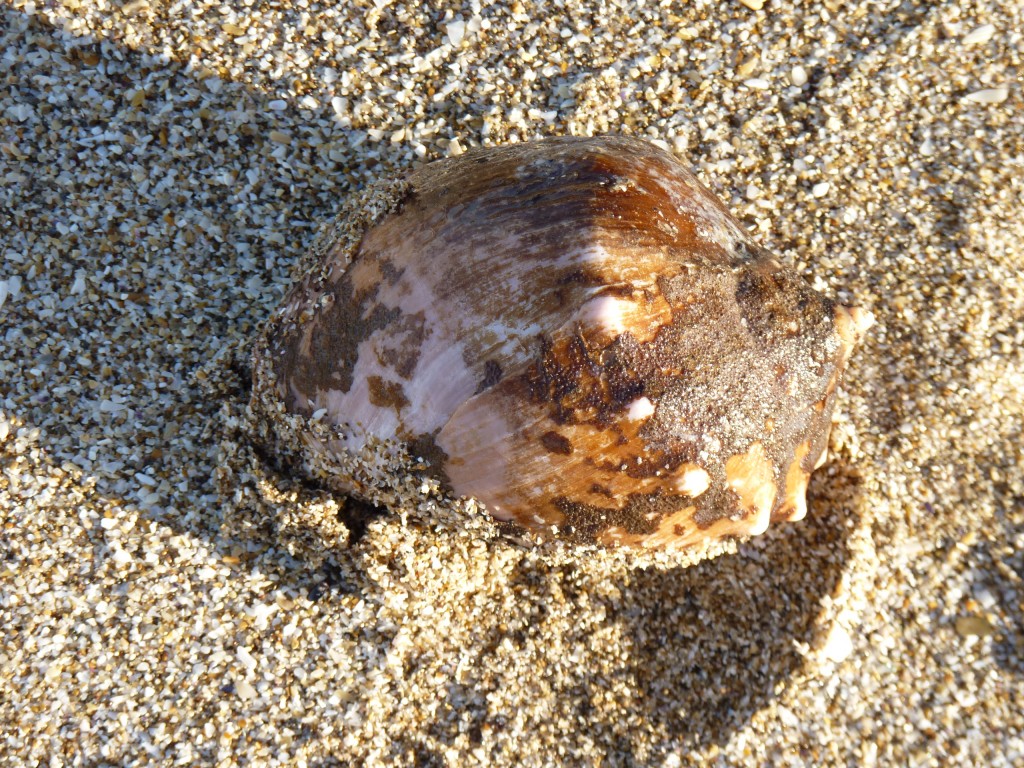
574 332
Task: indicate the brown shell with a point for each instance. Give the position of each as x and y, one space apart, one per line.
574 332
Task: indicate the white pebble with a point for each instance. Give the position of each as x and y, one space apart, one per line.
244 690
9 288
839 645
989 95
788 717
20 112
262 612
757 83
820 189
456 32
121 558
980 35
246 659
798 76
986 599
278 105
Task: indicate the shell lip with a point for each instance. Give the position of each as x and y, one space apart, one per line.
853 323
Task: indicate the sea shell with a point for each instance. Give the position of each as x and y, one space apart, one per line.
575 333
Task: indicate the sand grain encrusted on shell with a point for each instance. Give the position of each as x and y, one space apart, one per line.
574 332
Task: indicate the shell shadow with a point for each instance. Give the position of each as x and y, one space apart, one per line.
712 644
705 647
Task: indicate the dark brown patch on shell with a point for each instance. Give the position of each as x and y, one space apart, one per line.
556 443
402 352
580 383
386 394
339 331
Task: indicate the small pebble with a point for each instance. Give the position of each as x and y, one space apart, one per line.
245 691
974 626
980 35
839 644
989 95
456 31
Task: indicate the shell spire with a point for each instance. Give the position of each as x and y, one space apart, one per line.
574 332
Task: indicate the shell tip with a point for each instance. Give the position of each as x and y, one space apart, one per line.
853 323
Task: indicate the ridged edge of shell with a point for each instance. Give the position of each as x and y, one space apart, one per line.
294 437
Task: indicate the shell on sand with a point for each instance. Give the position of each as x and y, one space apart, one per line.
575 333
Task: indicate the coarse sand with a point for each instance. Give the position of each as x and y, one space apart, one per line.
169 597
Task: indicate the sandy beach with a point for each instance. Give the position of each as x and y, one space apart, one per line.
167 597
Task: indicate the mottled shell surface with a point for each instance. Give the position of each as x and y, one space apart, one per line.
574 332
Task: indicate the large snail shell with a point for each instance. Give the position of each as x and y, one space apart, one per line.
574 332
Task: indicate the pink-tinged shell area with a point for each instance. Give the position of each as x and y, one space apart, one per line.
575 333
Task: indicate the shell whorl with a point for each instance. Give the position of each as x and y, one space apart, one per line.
576 333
